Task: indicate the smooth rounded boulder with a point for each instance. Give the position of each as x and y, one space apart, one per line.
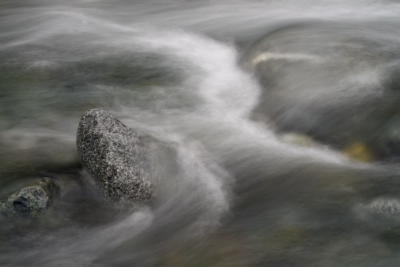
335 82
115 156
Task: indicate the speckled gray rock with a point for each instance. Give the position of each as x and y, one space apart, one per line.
115 156
30 201
381 213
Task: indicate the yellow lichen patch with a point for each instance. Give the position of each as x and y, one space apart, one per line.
359 151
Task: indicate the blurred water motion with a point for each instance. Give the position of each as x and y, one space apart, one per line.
282 117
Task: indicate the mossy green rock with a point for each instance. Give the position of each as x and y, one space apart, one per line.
30 201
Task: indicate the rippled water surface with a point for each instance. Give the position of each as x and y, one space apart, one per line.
282 121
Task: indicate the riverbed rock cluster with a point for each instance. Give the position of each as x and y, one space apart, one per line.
115 156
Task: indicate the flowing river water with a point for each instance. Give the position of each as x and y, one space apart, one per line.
224 83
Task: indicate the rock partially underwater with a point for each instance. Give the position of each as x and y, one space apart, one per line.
115 156
30 201
349 98
382 213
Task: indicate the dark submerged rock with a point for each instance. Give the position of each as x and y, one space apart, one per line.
115 156
30 201
354 103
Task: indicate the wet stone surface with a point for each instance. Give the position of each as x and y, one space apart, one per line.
30 201
115 156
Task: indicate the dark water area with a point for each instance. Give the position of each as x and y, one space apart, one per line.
282 120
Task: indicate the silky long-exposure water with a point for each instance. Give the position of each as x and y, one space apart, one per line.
282 121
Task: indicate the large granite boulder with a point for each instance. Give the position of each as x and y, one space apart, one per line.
115 155
32 200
